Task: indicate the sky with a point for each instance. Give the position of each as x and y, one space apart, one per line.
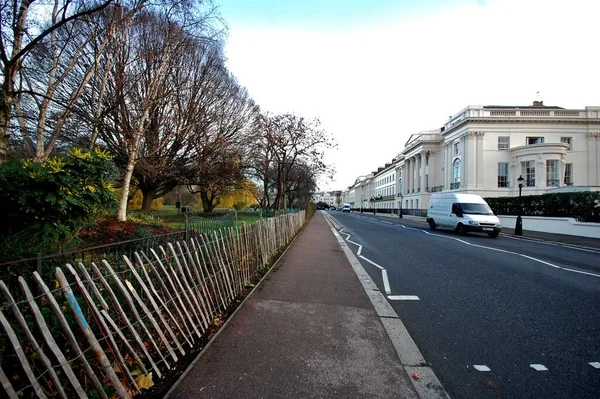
376 71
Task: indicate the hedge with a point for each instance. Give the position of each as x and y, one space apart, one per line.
584 206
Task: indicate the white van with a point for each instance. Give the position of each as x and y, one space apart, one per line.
346 208
463 213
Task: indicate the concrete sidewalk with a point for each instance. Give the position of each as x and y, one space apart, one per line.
309 331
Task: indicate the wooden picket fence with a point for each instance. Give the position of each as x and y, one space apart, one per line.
102 330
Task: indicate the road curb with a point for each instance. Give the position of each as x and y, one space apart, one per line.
423 379
241 305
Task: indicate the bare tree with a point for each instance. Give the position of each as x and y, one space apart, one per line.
27 28
148 54
301 184
219 139
283 141
259 157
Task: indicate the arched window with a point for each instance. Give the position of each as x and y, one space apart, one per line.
456 169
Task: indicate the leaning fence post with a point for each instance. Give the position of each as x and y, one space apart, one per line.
187 228
39 263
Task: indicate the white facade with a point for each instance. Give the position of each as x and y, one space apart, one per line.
329 198
484 149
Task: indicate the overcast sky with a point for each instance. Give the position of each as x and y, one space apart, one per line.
376 71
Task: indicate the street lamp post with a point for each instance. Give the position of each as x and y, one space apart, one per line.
400 206
519 226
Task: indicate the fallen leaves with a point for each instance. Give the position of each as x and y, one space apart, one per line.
144 381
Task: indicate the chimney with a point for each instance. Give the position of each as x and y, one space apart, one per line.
538 103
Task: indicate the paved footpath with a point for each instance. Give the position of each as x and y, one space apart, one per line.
309 331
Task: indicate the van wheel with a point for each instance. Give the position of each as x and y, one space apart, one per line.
494 234
460 229
432 224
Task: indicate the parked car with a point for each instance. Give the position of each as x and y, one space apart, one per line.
332 208
462 212
346 208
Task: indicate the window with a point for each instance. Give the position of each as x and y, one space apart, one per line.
568 174
529 173
456 171
535 140
503 142
456 148
427 183
567 140
552 179
503 174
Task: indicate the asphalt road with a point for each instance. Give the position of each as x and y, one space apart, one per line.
495 318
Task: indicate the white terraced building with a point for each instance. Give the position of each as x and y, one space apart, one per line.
328 198
483 150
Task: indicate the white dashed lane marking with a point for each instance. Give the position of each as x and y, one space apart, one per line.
538 367
535 366
403 297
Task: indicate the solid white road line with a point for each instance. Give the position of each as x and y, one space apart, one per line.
515 253
538 367
371 262
357 244
386 222
595 365
403 298
481 367
384 276
556 244
386 283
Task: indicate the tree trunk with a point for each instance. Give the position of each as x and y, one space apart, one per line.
6 103
147 198
208 202
4 129
122 212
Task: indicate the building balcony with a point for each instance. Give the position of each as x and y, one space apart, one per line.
435 189
454 186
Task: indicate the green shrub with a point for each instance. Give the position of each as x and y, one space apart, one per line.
239 206
584 205
46 204
310 210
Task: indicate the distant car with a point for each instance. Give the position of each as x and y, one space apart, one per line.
346 208
332 208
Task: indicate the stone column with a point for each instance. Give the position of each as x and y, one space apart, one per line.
480 176
540 173
409 174
593 161
416 172
423 170
431 171
448 166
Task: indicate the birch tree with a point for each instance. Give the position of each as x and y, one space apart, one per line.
26 29
147 55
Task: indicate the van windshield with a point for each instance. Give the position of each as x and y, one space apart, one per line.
476 209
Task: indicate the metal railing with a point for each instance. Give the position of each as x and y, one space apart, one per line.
45 264
394 211
552 183
454 186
